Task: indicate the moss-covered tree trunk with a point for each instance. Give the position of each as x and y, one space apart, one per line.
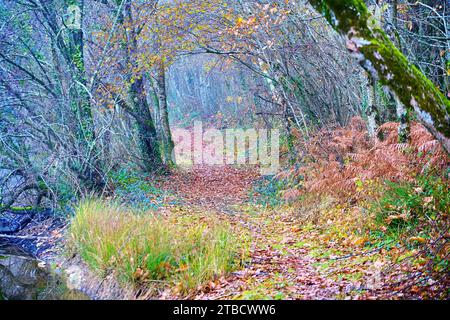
379 56
148 139
86 160
137 97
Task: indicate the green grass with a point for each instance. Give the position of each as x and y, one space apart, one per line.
183 250
414 215
412 209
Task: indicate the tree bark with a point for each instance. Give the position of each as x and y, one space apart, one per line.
88 164
148 140
137 97
373 115
402 112
379 56
168 144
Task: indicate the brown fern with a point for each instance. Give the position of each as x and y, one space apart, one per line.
335 160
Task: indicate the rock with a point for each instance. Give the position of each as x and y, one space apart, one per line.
12 222
74 278
24 278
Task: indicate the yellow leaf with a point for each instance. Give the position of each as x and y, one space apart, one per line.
417 239
360 241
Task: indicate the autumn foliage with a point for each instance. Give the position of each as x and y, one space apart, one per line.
336 161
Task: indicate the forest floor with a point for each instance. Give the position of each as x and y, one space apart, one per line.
287 260
286 257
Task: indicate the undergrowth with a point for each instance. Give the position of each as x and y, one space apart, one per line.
266 192
378 199
415 215
181 249
134 189
336 162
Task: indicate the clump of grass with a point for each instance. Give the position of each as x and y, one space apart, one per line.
181 249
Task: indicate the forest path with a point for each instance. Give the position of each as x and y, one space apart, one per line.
280 264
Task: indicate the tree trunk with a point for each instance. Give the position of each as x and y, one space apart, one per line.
373 115
88 164
379 56
404 129
402 112
148 140
168 144
137 97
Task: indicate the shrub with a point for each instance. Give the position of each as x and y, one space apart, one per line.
414 215
181 249
266 192
335 161
133 189
421 207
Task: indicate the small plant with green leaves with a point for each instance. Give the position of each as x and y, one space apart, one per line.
266 192
135 189
414 216
419 206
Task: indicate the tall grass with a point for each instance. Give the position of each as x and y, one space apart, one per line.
180 249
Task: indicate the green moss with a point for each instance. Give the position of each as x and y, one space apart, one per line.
351 18
343 15
18 209
407 81
78 59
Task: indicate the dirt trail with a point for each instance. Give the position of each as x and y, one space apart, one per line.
280 267
213 187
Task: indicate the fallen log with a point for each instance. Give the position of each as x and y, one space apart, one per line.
8 236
